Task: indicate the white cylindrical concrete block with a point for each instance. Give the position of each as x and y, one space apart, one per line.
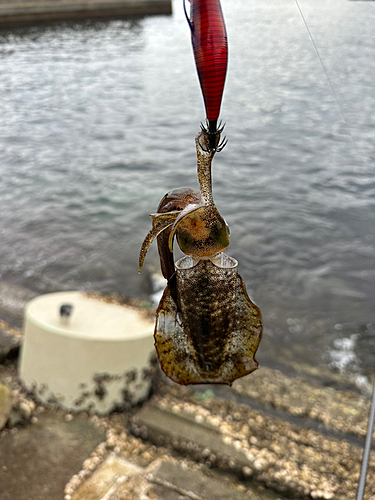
96 359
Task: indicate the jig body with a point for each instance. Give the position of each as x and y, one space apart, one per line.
210 46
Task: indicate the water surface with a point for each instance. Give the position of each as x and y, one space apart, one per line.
98 121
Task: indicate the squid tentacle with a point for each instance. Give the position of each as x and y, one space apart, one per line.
175 200
161 216
158 227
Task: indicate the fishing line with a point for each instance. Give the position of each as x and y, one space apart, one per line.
330 84
367 447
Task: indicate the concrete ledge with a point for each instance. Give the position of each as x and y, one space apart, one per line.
164 479
37 460
10 340
13 299
28 13
289 459
104 482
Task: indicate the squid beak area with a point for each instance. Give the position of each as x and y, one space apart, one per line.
208 140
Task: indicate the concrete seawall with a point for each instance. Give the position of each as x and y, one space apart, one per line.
21 13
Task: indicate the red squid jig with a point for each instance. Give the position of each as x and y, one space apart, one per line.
210 46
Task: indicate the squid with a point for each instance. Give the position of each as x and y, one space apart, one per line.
207 328
210 47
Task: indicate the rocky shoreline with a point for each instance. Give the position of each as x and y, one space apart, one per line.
269 436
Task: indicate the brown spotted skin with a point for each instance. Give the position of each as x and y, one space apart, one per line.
190 215
207 329
203 233
200 230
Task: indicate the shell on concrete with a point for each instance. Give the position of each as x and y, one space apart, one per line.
5 404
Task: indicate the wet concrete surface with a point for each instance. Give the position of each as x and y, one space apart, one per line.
288 458
10 340
13 299
272 435
36 461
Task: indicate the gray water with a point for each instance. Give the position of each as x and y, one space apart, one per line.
98 122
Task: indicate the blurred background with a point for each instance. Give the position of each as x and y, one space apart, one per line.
98 121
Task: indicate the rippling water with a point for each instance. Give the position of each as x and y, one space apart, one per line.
98 121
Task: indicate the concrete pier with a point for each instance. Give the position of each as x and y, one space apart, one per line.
23 13
271 435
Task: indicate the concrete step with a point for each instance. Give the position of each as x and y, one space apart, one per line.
326 409
164 479
284 457
106 479
37 461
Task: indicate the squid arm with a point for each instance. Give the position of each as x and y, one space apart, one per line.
170 207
